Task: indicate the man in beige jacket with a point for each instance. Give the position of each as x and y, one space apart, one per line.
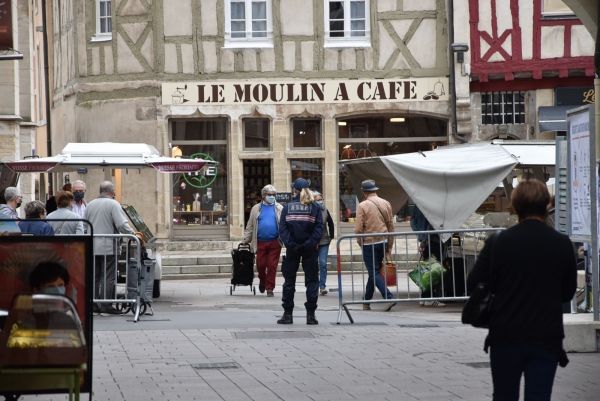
262 233
374 215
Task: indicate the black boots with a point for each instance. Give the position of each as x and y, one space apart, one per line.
286 319
310 318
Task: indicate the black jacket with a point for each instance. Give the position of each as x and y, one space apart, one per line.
534 271
301 225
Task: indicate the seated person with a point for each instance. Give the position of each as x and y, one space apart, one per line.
49 278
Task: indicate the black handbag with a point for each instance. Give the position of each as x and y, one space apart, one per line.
478 309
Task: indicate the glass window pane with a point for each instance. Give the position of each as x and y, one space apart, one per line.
103 25
496 108
102 9
508 119
108 8
336 10
256 133
357 9
259 10
485 98
519 108
238 29
309 169
497 119
520 119
259 29
508 108
508 97
358 28
487 119
238 10
497 98
306 134
207 130
521 97
109 23
336 29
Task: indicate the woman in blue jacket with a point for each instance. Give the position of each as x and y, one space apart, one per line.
35 210
300 229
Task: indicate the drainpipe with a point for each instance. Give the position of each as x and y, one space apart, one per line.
454 124
47 88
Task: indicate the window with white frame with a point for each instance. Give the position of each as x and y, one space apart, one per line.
500 108
248 23
103 21
556 9
347 23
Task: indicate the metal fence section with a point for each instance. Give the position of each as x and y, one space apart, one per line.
442 258
107 249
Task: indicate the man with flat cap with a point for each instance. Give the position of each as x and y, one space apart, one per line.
300 229
374 215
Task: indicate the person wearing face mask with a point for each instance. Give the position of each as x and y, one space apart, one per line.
262 233
79 204
323 248
63 200
49 278
13 199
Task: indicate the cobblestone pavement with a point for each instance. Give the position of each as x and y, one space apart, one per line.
410 353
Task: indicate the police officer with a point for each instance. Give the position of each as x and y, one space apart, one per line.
300 228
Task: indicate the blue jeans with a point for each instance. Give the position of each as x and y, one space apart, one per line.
323 250
510 362
373 256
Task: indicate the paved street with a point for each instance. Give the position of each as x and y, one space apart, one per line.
410 353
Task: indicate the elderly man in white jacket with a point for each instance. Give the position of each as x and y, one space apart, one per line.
107 217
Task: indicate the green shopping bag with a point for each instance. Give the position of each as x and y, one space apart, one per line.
428 273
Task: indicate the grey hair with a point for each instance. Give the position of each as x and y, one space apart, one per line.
33 209
79 182
268 188
11 193
107 187
317 193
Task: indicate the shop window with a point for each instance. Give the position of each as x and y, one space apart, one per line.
556 9
499 108
257 175
200 198
306 134
103 21
248 23
382 136
347 23
256 133
309 169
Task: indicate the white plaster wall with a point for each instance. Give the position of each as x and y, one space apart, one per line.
208 10
553 39
178 18
485 16
296 17
526 24
504 19
582 43
386 5
422 45
419 5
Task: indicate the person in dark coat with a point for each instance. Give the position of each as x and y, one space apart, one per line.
300 229
532 271
326 238
35 210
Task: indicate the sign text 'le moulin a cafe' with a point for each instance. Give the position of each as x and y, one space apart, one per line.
310 91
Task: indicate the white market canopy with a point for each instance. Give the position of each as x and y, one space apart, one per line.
108 155
449 183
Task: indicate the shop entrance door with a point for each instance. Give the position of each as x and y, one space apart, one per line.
257 174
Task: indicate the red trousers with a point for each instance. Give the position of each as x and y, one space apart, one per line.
267 259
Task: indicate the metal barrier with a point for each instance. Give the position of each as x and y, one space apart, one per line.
456 251
105 283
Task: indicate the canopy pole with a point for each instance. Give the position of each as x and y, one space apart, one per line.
454 124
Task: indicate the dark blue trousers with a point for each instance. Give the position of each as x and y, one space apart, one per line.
510 362
289 269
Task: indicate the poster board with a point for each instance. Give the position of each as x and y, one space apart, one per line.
580 139
283 197
138 223
19 255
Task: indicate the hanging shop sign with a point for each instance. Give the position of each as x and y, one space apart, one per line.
6 34
313 91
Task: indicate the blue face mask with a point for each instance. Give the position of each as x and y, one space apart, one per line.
320 203
270 199
54 290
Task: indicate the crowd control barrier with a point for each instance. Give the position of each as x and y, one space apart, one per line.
106 273
445 259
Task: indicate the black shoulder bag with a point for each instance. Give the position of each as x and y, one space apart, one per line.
478 309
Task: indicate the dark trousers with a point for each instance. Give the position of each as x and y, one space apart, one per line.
105 272
510 362
373 256
267 260
289 269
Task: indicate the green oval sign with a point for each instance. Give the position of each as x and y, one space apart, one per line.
201 181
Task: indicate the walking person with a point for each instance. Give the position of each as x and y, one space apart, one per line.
374 215
532 270
64 200
300 228
35 210
326 238
107 217
262 233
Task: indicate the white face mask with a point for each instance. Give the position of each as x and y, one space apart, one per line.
270 199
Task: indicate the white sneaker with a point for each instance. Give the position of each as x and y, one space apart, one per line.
323 291
389 307
432 304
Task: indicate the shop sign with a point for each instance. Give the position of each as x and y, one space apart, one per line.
579 95
202 181
313 91
6 34
283 197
